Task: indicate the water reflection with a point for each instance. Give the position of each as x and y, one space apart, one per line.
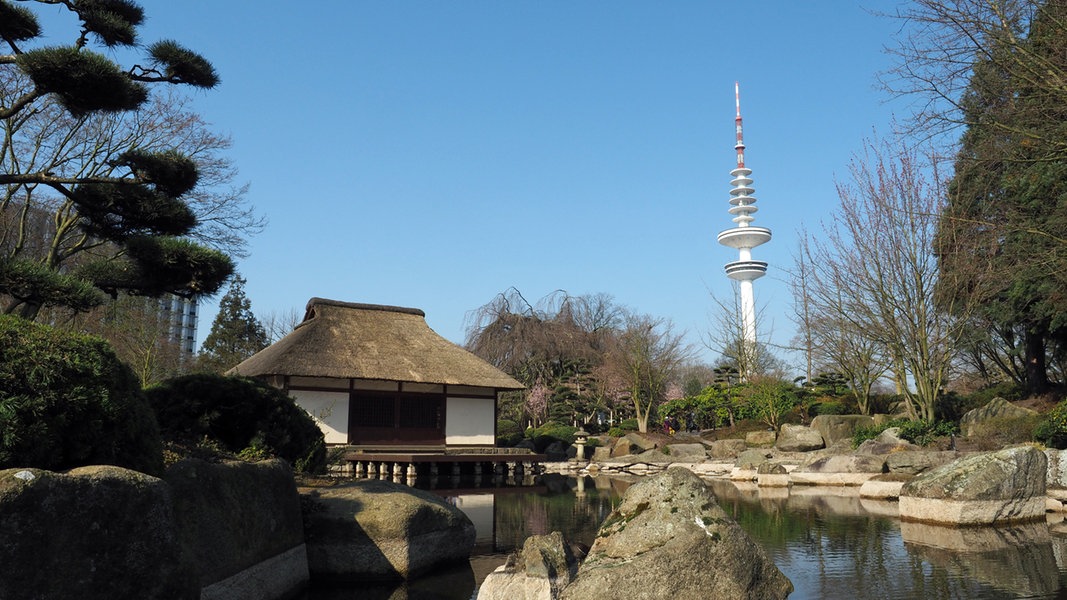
831 543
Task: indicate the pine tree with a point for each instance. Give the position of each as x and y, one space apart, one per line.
235 334
73 234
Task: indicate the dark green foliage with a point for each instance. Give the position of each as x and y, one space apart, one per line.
999 244
32 281
141 211
923 433
67 401
113 21
159 265
84 81
183 66
616 432
172 173
831 407
119 212
508 433
628 425
1052 431
550 432
862 434
17 23
242 415
235 334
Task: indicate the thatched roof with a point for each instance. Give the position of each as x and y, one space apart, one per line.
369 341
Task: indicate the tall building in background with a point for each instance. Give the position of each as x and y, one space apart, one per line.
744 237
180 314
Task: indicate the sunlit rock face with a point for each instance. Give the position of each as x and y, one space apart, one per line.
997 413
1005 486
799 438
540 571
670 539
840 469
835 428
372 530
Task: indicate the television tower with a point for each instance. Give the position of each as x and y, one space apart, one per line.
744 237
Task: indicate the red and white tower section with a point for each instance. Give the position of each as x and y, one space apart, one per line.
744 237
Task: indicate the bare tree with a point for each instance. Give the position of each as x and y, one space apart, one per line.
832 341
803 311
141 335
727 337
941 41
280 324
875 270
650 353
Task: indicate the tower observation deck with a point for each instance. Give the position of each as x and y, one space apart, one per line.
744 236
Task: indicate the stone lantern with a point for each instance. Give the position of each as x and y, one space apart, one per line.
580 438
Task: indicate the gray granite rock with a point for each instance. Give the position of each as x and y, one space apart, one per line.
670 535
999 487
379 530
798 438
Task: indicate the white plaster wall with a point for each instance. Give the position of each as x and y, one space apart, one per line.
470 421
330 411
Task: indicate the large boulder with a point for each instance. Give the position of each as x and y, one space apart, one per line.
918 461
760 439
727 448
887 441
540 572
669 538
688 453
839 469
752 458
981 489
1056 476
632 443
373 529
885 486
798 438
839 427
94 533
995 412
240 525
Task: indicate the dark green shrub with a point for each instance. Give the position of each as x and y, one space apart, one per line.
616 432
244 416
508 433
832 407
862 434
1052 431
629 424
67 401
924 432
553 431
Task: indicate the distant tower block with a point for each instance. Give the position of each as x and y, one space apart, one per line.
744 237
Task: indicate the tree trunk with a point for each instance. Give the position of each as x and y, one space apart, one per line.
1034 348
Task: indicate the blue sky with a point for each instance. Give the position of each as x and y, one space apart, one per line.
434 154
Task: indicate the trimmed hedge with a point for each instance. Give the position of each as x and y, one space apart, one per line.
244 416
67 401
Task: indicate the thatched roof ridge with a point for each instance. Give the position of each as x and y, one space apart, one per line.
371 341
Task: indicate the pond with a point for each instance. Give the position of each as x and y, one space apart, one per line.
829 542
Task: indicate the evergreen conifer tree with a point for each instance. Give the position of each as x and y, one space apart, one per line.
1000 240
235 334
